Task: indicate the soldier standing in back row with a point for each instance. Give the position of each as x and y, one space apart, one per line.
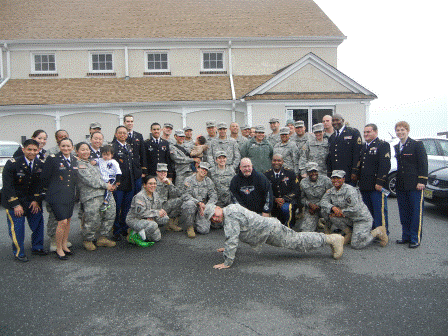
181 158
288 150
315 150
221 176
274 137
226 144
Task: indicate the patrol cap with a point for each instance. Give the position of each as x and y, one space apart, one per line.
168 125
318 127
222 125
245 127
209 210
187 128
210 123
259 129
220 153
310 166
299 123
162 167
179 133
95 125
284 130
338 173
274 120
204 165
290 121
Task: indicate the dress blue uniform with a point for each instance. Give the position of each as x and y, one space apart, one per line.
59 179
373 168
412 169
158 153
344 151
285 185
21 186
135 139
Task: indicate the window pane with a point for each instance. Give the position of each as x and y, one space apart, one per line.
157 57
301 114
44 58
164 57
318 114
164 65
109 57
101 58
444 145
219 65
219 56
206 57
51 58
51 67
109 66
206 65
150 57
95 58
37 58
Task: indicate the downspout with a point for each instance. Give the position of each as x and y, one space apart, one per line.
232 85
8 65
126 63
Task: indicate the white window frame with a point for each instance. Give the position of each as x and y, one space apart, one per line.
147 69
309 127
215 52
33 63
91 53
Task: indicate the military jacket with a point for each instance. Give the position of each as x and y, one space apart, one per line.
123 155
312 192
290 155
188 145
182 161
314 151
138 153
344 151
221 178
59 179
143 206
240 140
245 225
20 185
229 146
90 183
94 154
260 154
158 153
374 165
199 191
286 186
273 139
167 191
412 165
300 141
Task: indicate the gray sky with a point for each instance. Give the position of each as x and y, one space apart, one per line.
396 49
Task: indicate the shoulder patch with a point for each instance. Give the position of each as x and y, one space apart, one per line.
359 141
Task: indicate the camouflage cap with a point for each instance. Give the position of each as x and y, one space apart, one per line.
162 167
299 123
209 211
179 133
259 129
220 153
338 173
290 121
222 125
274 120
168 125
95 125
210 123
310 166
187 128
284 130
245 127
318 127
204 165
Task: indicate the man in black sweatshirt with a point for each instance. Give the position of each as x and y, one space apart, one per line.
252 189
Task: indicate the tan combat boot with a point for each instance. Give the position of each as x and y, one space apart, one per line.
89 246
172 225
381 234
103 241
190 232
347 236
336 242
322 225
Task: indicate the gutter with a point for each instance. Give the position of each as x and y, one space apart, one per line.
8 65
232 84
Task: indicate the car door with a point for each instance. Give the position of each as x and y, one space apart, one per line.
443 149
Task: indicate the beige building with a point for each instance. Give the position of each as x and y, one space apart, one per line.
66 64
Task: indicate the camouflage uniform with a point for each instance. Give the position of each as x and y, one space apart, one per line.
91 189
182 164
253 229
290 155
356 213
170 196
195 191
229 146
300 141
312 192
273 139
144 215
240 140
221 178
314 151
188 145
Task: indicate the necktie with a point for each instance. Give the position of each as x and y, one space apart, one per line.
337 134
68 162
31 166
130 136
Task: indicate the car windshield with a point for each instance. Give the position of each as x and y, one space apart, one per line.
7 150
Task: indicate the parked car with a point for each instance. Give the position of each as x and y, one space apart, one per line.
436 190
437 151
7 149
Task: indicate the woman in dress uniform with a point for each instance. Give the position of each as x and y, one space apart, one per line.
96 142
41 137
59 178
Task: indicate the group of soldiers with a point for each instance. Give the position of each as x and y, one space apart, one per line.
282 177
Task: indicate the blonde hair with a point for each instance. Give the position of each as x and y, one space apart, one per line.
403 124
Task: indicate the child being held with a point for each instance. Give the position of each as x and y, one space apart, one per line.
198 151
110 172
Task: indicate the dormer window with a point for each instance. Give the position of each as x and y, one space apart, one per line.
213 61
44 63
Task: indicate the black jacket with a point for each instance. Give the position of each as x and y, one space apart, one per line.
253 192
158 153
286 186
412 165
129 170
138 153
374 165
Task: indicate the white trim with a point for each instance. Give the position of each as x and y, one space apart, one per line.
310 111
101 52
146 52
213 51
33 63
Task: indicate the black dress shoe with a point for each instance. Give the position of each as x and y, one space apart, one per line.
402 241
21 258
116 237
69 253
64 257
39 252
414 245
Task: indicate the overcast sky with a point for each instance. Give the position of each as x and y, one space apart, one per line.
398 50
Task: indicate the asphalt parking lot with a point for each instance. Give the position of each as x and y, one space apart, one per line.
172 289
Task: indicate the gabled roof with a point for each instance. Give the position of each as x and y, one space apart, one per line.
167 19
119 90
351 89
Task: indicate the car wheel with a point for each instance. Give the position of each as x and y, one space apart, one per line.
391 184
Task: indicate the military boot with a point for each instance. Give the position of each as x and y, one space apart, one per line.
172 225
103 241
89 246
336 242
381 234
347 236
321 224
190 232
